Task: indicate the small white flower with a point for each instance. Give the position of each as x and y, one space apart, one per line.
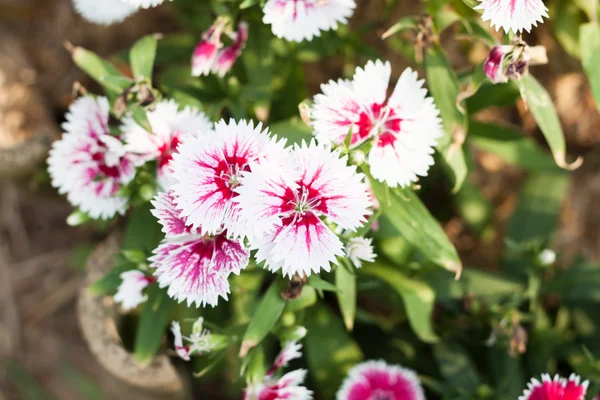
547 257
360 249
200 341
129 294
517 15
104 12
297 20
144 3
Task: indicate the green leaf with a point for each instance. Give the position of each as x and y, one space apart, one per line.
155 317
265 317
401 25
542 109
590 7
110 282
142 57
490 95
507 373
307 298
143 231
97 68
345 281
330 351
418 297
511 145
319 283
444 18
590 56
248 3
566 20
475 209
444 87
462 380
293 129
410 217
579 283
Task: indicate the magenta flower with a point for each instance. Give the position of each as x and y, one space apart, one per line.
285 207
193 266
403 127
555 389
378 380
208 171
227 56
88 163
517 15
206 51
169 127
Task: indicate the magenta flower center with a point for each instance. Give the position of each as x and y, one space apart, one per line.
167 149
380 121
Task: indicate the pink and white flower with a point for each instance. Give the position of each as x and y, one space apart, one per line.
378 380
169 127
555 389
494 65
289 352
403 127
104 12
285 206
199 342
360 249
297 20
129 294
193 266
517 15
207 50
226 57
88 163
209 171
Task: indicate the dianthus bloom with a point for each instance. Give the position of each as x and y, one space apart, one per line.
144 3
555 389
403 127
209 56
201 340
104 12
297 20
284 208
129 294
517 15
209 171
88 163
360 249
288 386
378 380
193 266
169 126
227 56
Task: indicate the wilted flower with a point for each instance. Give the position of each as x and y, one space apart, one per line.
403 127
284 207
169 126
88 163
547 257
512 61
130 290
378 380
209 171
200 341
555 389
193 266
360 249
104 12
298 20
227 56
517 15
288 386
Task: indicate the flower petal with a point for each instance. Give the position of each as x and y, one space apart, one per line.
517 15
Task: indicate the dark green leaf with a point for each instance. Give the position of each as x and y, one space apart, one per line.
110 282
155 317
490 95
143 231
345 281
462 380
418 298
590 56
293 129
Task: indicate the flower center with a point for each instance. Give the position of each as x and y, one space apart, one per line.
380 394
376 121
304 202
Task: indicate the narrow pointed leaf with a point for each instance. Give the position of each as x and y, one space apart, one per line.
142 57
345 281
97 68
589 36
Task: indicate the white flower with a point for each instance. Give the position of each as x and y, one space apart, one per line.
547 257
360 249
144 3
403 127
517 15
170 126
208 171
289 352
194 267
199 342
88 164
130 293
104 12
378 380
284 207
297 20
555 389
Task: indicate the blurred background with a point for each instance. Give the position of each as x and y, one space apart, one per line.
43 353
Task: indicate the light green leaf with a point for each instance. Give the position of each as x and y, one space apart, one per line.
410 217
345 281
307 298
511 145
445 90
265 317
490 95
542 109
589 35
110 282
566 19
142 57
475 209
330 351
418 298
319 283
97 68
403 24
155 317
444 18
293 129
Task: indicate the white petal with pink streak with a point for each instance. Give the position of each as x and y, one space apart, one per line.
515 15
